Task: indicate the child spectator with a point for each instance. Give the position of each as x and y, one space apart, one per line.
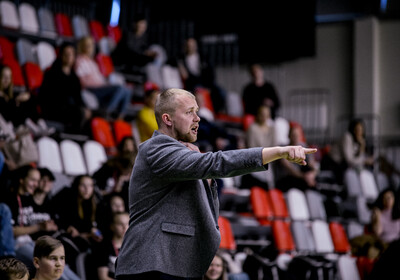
13 269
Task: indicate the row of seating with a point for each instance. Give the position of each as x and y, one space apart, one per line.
42 22
295 224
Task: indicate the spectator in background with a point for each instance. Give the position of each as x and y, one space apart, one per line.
114 98
7 242
28 219
49 260
217 269
16 106
197 71
288 175
261 133
146 120
259 91
107 251
132 52
385 219
350 152
13 269
60 96
77 215
110 204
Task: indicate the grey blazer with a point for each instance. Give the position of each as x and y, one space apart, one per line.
173 211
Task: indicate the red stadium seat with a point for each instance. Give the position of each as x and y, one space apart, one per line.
33 76
339 237
282 236
105 64
261 205
114 32
227 237
96 29
102 133
7 50
278 204
63 25
121 129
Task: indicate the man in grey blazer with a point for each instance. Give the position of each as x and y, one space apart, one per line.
173 203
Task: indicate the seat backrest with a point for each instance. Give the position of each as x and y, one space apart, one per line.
315 202
102 133
33 75
303 237
322 237
260 204
80 26
28 18
347 268
352 182
106 45
297 204
368 184
234 104
46 22
105 64
97 30
9 14
339 237
121 129
49 154
354 229
278 203
282 235
114 32
63 25
171 77
46 54
7 50
72 158
227 237
95 155
26 51
248 119
363 212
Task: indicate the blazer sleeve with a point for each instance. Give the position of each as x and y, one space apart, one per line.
173 161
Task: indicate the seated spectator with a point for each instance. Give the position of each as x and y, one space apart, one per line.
7 242
146 120
77 216
49 260
217 269
28 219
385 219
259 91
13 269
197 71
350 152
15 106
288 175
132 52
112 203
114 98
60 96
261 133
106 252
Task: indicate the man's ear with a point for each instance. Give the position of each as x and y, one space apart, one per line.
36 262
167 119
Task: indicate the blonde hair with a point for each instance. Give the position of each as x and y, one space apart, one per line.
166 102
81 44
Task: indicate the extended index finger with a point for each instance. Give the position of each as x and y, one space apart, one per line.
310 150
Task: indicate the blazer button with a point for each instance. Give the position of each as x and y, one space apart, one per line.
218 227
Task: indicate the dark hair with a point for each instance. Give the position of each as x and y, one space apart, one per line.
353 123
12 268
58 61
46 172
44 245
